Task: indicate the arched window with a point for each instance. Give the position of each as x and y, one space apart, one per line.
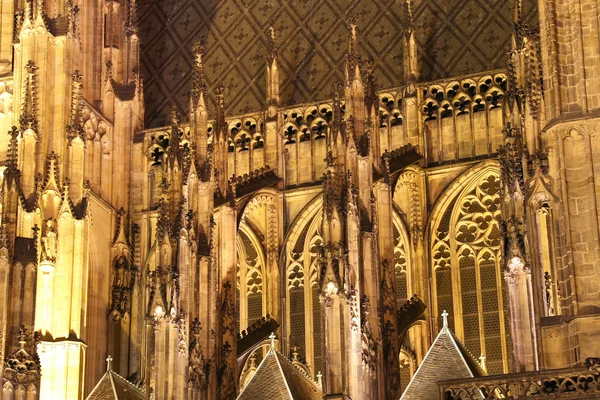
465 251
303 307
251 283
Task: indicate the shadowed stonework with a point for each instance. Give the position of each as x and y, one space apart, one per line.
455 37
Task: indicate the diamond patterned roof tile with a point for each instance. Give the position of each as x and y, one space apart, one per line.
231 27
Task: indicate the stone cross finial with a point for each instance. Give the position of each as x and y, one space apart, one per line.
272 338
320 379
482 362
445 317
109 363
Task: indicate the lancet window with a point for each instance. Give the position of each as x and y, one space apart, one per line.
466 266
250 278
303 304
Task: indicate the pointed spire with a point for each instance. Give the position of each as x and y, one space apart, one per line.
28 10
74 127
371 98
337 114
132 23
174 139
411 72
272 73
272 43
39 9
221 144
198 89
353 59
221 127
12 155
518 12
409 14
28 119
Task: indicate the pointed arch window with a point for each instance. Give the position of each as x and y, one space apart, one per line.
465 252
303 307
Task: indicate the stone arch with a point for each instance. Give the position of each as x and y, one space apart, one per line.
260 222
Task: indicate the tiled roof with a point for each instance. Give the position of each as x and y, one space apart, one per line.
278 379
446 359
113 386
454 37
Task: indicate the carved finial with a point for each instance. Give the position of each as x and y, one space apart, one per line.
174 115
76 76
272 72
109 71
22 336
272 42
109 363
272 338
164 186
445 319
518 12
220 123
12 154
353 44
31 67
198 82
352 22
409 14
411 71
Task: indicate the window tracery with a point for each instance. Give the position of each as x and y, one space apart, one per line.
250 272
400 269
465 259
303 305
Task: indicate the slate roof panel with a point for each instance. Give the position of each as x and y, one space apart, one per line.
447 359
277 378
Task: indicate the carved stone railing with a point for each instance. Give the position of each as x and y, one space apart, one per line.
568 383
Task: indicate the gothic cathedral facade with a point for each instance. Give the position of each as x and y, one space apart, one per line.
344 226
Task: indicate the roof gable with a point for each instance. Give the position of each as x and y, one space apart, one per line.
277 378
113 386
446 359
